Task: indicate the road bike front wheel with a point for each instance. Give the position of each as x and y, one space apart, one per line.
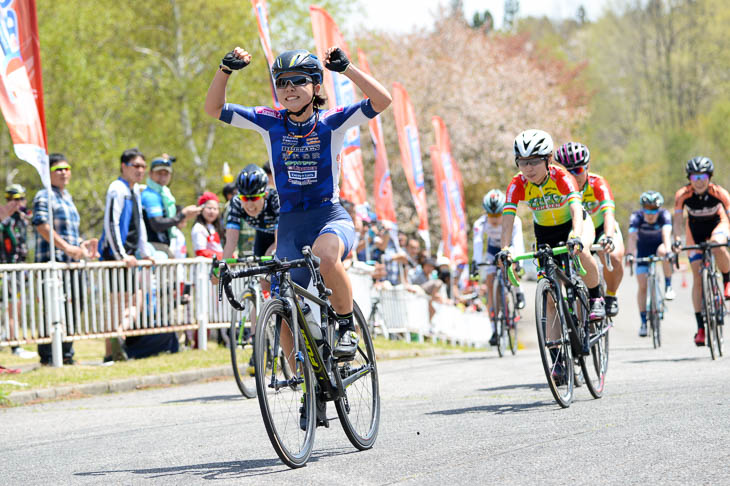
554 342
285 385
359 408
240 341
500 312
654 321
719 303
708 302
511 322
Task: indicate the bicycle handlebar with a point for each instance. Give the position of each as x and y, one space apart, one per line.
560 250
600 248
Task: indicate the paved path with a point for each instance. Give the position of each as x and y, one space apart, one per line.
460 419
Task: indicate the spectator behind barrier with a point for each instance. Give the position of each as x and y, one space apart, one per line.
207 229
67 240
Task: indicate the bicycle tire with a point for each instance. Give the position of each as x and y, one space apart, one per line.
499 317
551 360
359 409
708 308
653 312
594 365
512 322
241 345
719 299
286 408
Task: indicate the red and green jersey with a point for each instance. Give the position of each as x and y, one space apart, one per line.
597 198
550 201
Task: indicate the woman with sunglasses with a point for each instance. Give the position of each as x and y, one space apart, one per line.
707 220
650 233
554 198
304 143
598 201
257 206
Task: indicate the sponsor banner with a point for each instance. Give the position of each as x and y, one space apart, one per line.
410 151
382 186
340 92
21 96
262 19
453 216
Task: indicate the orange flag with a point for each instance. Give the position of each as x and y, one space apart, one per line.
382 186
21 96
410 152
341 92
451 204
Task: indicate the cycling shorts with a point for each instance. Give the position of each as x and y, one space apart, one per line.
262 242
700 231
300 228
616 233
643 251
557 235
489 258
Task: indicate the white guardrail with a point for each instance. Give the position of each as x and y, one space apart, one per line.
106 299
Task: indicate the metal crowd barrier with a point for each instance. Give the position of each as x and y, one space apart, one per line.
106 299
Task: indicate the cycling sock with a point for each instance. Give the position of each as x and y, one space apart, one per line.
345 319
643 317
700 322
610 293
668 282
725 278
594 293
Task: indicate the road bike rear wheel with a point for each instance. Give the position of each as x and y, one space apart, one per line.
241 345
285 385
709 311
555 350
499 316
359 409
595 364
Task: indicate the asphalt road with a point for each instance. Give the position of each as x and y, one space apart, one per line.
463 419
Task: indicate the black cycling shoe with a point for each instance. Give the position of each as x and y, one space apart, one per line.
494 339
346 345
611 306
520 300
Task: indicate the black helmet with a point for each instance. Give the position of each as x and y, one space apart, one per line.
651 198
699 165
251 180
572 155
298 61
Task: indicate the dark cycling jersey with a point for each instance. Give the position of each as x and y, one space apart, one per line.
304 155
648 235
266 221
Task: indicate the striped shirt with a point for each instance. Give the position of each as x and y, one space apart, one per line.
66 223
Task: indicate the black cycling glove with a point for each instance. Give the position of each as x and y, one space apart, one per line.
338 61
231 61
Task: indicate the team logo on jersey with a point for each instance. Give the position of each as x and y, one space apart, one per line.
263 110
332 111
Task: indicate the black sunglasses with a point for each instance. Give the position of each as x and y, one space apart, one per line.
298 80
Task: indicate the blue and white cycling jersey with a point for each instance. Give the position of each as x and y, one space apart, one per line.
303 156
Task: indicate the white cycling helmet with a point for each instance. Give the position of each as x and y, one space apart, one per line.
493 202
533 143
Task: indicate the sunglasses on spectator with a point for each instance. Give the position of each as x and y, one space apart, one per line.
577 170
651 210
136 166
535 161
298 80
251 197
699 177
60 167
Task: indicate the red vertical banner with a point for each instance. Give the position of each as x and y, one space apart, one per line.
341 92
382 186
21 83
410 152
262 19
453 216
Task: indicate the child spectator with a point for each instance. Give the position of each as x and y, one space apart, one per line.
207 229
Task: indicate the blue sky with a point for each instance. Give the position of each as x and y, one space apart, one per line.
404 15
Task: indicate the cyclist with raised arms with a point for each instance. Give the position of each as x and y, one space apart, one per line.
598 200
303 142
554 198
487 242
650 233
707 206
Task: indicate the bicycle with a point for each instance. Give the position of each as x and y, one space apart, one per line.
570 332
241 331
296 372
506 314
713 301
655 303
